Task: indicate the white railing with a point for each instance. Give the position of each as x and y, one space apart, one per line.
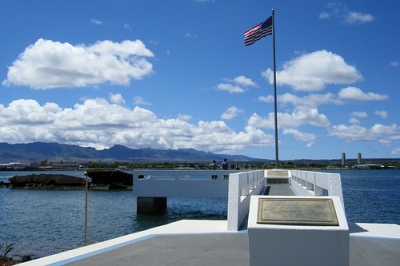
241 187
181 183
307 183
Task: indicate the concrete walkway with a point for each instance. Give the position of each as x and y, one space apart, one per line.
280 190
210 249
193 242
225 249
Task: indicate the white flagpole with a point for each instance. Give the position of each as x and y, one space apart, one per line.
275 100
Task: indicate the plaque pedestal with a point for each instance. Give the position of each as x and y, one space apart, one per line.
297 231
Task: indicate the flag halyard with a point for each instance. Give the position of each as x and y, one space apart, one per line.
257 32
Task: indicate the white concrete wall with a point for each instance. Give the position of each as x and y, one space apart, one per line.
181 188
180 183
241 187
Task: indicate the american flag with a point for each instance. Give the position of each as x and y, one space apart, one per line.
257 32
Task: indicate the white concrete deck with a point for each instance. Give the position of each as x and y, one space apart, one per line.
382 231
208 232
182 227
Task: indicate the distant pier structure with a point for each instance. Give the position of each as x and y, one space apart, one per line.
343 158
359 158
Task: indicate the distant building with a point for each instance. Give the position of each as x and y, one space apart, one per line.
13 165
368 166
359 158
65 166
343 158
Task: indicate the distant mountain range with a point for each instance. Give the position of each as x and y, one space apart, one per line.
54 152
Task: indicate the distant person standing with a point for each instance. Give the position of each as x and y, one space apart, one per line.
225 167
237 167
213 166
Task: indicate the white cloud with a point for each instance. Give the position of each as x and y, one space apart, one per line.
324 15
140 101
237 85
357 17
291 120
231 113
345 15
353 93
312 117
305 112
117 98
28 112
125 49
380 133
243 81
301 136
309 101
96 21
267 99
304 109
382 114
394 64
312 72
257 121
353 120
190 35
359 114
97 123
396 151
48 64
184 117
230 88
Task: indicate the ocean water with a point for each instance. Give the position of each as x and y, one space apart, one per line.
371 196
45 222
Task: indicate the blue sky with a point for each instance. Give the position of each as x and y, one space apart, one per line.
175 74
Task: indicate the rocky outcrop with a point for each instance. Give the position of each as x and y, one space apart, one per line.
47 181
99 180
4 185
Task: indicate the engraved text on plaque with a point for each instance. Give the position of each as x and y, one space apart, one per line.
297 211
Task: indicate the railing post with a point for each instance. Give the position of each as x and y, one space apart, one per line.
241 186
318 190
233 202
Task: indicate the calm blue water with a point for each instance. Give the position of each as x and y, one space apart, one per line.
371 196
45 222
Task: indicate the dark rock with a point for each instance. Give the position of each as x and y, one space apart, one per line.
46 181
4 185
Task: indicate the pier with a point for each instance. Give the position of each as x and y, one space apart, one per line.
232 242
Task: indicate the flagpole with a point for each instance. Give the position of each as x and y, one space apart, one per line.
275 100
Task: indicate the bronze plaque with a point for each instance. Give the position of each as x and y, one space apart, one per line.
297 211
277 173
